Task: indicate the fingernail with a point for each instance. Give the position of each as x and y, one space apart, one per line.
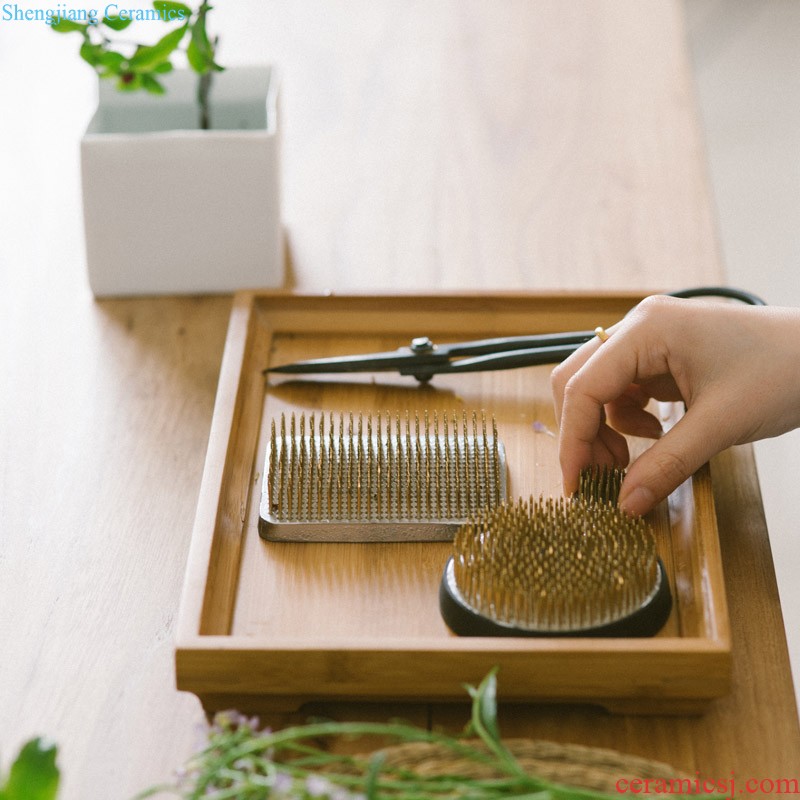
638 501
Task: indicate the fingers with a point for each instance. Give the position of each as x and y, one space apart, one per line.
672 459
566 369
593 376
627 414
598 444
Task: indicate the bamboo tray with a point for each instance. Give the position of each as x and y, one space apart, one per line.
270 625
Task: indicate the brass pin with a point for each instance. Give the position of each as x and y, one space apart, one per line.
495 463
421 510
476 461
359 466
340 469
447 482
436 493
378 469
292 466
284 454
350 467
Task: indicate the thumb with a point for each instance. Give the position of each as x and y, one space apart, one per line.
677 455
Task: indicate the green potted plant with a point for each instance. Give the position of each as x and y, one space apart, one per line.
179 166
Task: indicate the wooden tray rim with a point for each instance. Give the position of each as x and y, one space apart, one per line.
711 651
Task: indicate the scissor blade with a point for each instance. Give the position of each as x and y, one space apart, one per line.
517 343
394 361
535 356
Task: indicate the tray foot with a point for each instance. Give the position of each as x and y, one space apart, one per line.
279 705
251 703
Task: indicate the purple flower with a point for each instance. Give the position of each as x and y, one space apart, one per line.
318 786
540 427
282 783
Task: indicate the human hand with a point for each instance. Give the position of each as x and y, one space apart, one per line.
736 368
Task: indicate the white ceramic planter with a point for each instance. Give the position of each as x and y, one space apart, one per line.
170 209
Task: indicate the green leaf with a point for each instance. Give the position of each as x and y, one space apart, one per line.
200 63
197 61
371 778
147 58
152 85
111 60
484 707
199 34
91 53
117 23
171 11
34 775
200 51
67 26
163 68
484 722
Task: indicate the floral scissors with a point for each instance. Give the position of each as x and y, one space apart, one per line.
423 359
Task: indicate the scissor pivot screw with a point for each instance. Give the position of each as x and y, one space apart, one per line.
422 344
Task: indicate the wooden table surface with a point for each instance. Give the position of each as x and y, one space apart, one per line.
437 145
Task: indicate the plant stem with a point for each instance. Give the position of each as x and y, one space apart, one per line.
203 90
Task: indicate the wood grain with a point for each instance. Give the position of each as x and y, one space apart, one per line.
461 144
